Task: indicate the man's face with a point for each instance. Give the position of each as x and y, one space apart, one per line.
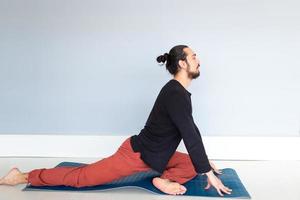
193 64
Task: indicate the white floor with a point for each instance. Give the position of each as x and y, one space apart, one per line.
265 180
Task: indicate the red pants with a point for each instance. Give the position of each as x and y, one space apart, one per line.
122 163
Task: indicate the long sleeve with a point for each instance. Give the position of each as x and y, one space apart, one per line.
180 110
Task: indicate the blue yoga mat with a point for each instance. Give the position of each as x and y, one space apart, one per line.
143 180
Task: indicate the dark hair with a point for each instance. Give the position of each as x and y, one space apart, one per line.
172 58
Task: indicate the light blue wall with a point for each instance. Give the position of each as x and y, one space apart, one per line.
88 67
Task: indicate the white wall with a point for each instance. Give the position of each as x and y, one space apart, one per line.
88 67
217 147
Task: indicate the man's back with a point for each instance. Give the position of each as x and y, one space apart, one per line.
161 135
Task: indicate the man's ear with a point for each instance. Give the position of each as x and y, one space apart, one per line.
182 64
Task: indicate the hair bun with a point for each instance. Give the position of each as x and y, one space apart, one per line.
162 58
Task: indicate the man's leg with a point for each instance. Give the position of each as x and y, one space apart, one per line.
100 172
179 170
123 163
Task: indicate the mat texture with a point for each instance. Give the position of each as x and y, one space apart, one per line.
143 180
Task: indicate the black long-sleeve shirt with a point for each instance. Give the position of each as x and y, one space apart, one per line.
170 121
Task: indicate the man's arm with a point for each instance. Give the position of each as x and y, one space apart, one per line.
179 109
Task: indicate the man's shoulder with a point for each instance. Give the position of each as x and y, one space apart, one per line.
175 94
172 87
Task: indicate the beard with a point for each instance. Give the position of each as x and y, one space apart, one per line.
191 74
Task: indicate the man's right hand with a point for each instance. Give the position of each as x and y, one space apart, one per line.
214 181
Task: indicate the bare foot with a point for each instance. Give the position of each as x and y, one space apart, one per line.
14 177
167 186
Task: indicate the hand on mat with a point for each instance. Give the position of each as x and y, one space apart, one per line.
213 166
214 181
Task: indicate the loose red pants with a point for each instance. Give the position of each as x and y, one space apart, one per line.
123 162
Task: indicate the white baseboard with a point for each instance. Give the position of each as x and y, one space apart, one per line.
223 148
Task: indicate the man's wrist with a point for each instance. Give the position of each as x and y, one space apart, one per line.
209 173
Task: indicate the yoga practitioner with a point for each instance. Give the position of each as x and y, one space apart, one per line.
170 120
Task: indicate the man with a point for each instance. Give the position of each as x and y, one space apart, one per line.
154 148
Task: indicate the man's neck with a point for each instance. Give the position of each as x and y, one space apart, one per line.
185 82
